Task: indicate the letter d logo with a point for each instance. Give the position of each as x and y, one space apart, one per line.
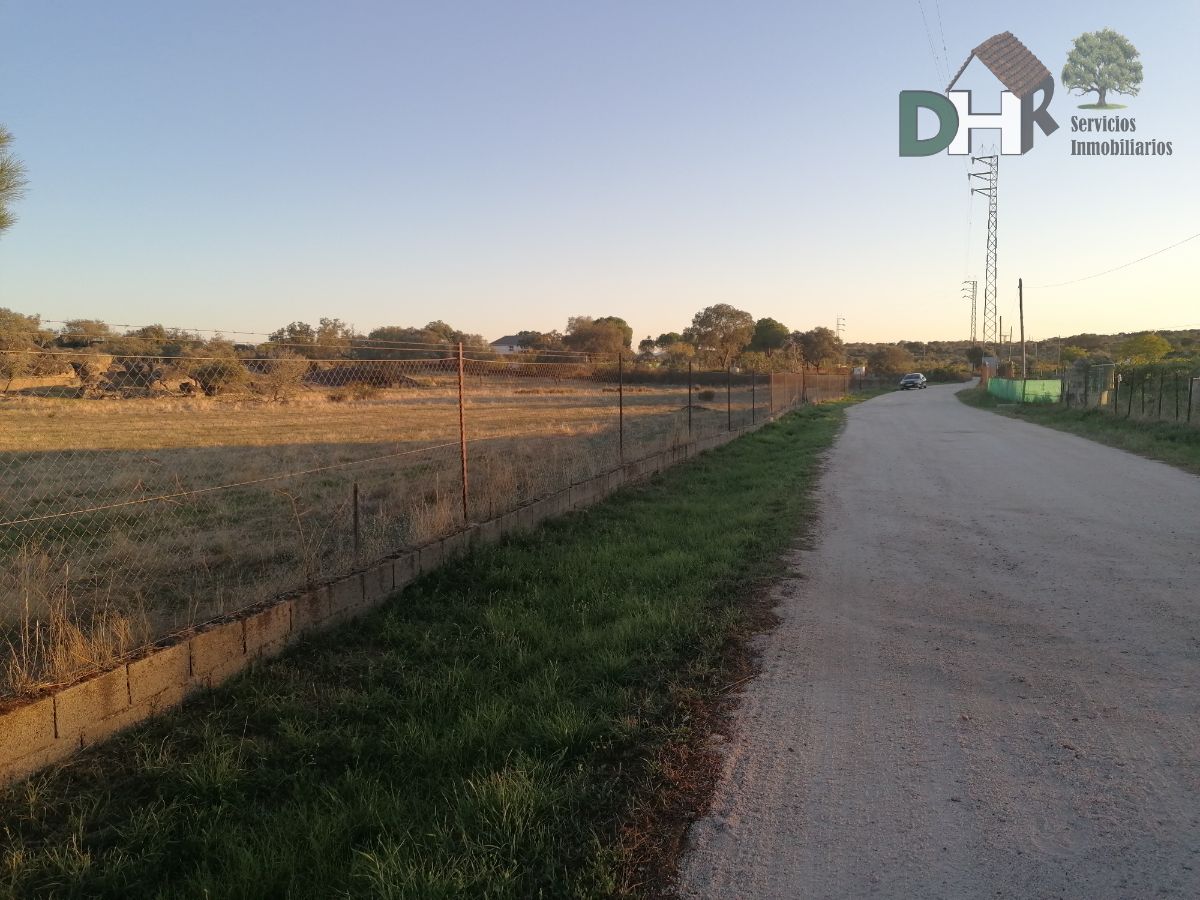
910 103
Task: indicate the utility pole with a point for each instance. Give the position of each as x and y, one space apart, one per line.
990 177
841 325
1021 306
973 288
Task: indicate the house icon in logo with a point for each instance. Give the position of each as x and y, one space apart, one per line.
1023 76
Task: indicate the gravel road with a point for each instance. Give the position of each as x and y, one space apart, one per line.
986 682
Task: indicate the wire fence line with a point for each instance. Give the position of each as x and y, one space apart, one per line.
1161 392
143 494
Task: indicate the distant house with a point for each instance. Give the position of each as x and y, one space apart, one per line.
507 344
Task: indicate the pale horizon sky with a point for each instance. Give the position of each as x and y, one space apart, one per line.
504 166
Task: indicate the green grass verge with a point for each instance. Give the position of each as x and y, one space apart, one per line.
489 732
1168 442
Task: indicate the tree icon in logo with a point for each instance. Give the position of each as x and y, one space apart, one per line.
1103 61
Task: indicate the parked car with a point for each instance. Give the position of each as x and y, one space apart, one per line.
913 380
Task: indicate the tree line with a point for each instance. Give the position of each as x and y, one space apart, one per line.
719 336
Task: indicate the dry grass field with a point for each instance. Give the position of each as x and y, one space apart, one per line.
124 519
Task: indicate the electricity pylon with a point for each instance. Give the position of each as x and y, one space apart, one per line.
991 179
973 288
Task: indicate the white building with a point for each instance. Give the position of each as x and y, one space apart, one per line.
507 344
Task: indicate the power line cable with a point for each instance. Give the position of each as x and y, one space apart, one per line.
942 32
1118 268
937 64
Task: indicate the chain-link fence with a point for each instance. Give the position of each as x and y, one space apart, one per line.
142 494
1151 393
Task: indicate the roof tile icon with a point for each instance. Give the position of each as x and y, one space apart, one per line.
1011 62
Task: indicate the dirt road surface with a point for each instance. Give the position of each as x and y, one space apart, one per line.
985 684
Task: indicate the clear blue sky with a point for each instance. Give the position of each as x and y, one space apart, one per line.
505 165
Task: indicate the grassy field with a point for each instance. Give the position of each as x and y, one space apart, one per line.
1178 445
503 728
123 519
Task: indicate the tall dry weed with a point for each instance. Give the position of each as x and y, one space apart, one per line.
48 638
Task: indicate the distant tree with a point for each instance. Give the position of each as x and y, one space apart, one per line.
85 333
1144 348
756 361
297 337
678 355
440 331
396 342
1071 353
890 359
331 339
334 338
600 336
721 329
151 340
12 180
435 341
647 347
21 336
769 336
974 356
1103 61
282 375
821 346
216 368
618 322
541 340
1089 342
666 339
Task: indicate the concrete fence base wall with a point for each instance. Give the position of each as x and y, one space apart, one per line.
51 728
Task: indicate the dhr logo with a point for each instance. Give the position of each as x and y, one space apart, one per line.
1019 71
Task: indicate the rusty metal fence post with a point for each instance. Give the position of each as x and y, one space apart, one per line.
729 398
462 438
689 399
621 407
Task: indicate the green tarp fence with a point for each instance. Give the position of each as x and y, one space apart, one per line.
1040 391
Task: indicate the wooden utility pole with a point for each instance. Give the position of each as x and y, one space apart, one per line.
1021 306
